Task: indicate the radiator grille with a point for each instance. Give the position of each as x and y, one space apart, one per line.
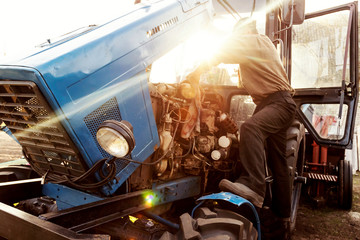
45 143
108 111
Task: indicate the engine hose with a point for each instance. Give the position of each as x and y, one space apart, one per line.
77 181
158 160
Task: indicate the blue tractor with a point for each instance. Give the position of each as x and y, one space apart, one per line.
120 146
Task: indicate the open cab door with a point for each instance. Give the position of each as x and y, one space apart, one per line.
324 72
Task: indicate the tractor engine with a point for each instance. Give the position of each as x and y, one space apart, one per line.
196 136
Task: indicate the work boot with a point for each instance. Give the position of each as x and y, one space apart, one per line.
243 191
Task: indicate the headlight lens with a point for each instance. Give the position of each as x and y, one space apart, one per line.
116 138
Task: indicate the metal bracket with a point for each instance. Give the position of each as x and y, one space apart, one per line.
68 197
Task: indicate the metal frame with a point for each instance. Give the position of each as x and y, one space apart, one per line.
94 214
17 224
12 192
68 223
21 225
331 94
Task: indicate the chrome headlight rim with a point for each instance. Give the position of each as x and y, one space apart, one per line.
124 129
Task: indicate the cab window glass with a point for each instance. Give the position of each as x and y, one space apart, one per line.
318 50
324 119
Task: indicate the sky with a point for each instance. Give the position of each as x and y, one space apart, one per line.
28 23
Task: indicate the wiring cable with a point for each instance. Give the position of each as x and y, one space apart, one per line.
178 121
82 182
158 160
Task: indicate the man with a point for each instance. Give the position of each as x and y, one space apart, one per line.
265 79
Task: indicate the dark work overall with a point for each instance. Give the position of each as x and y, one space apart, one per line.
269 123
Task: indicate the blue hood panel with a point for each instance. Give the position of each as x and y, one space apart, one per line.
100 75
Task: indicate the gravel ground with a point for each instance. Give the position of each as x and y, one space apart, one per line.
326 223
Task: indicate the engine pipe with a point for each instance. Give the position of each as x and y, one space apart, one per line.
161 220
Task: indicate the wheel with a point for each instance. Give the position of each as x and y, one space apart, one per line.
345 184
295 153
217 224
295 156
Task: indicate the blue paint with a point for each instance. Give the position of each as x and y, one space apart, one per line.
177 189
236 200
174 190
67 197
8 132
81 73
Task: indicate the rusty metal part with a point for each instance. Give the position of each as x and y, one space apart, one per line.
207 119
228 123
38 206
161 167
205 143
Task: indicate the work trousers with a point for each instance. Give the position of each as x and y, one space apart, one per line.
268 125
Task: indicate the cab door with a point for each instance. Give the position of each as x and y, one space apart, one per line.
324 72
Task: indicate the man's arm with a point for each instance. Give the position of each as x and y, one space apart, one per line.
234 50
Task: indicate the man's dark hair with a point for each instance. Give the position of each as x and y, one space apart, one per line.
245 25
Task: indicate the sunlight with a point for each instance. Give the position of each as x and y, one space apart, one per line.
203 45
312 6
185 58
26 24
85 103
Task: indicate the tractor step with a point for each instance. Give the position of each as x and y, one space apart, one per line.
322 177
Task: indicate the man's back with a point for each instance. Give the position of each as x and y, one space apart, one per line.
262 72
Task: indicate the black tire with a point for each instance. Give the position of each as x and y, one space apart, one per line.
295 154
345 184
217 224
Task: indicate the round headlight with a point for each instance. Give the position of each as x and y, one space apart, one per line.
116 138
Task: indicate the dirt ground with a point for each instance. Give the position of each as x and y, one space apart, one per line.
329 222
325 223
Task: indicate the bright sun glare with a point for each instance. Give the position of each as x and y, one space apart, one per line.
203 45
36 21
